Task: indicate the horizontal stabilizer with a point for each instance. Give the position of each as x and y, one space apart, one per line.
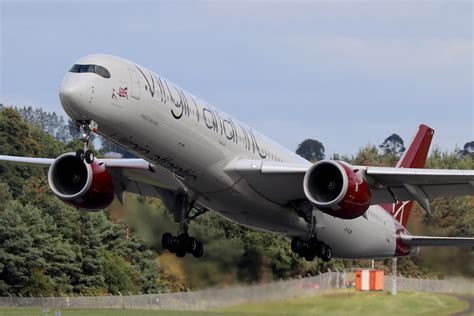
437 241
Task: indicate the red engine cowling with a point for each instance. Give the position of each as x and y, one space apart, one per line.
334 188
79 184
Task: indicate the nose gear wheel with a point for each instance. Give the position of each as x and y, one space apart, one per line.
85 154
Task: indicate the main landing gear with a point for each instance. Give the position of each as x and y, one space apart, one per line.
183 243
85 154
311 248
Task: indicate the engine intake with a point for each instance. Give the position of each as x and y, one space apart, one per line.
79 184
334 188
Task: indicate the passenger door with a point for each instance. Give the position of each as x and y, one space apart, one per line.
135 84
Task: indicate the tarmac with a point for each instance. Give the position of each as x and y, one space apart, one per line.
470 300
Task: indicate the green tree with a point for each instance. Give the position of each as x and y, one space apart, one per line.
118 274
468 150
98 244
31 259
311 150
62 249
393 145
49 122
5 195
16 140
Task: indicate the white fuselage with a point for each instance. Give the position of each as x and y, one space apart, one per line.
192 143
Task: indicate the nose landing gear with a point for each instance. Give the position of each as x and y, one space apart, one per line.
85 154
311 248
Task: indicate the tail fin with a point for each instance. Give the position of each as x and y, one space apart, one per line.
414 157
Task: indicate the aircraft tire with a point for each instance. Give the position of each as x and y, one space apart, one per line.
303 248
192 244
320 249
198 252
166 240
183 241
296 244
89 156
309 255
80 154
327 254
173 247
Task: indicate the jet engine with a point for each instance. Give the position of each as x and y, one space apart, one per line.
336 189
85 186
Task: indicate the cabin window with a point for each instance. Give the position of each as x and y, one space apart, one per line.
99 70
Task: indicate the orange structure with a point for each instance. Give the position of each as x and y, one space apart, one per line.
370 280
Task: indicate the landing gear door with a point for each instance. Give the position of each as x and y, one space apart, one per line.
135 84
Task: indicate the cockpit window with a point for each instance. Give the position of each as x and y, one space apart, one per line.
101 71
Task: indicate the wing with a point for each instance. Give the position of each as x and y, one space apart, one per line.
276 181
40 162
283 183
406 184
437 241
129 175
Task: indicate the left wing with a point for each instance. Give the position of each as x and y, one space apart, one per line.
437 241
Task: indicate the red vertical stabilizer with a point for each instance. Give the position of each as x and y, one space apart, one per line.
414 157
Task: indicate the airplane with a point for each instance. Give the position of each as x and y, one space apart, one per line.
195 158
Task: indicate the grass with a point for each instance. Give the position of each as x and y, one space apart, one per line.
330 303
359 303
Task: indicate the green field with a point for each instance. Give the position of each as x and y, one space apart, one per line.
333 303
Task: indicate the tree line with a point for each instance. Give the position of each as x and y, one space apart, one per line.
47 247
394 146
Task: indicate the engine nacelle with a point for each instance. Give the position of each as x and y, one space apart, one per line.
79 184
334 188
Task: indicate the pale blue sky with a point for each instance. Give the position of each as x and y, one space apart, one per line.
345 73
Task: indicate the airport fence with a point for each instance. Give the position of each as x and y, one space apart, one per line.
225 297
198 300
455 285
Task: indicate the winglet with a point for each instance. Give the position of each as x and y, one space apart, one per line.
416 153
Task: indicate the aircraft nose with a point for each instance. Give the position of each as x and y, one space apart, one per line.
76 97
69 95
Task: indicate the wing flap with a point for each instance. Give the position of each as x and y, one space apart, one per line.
138 164
401 183
279 182
437 241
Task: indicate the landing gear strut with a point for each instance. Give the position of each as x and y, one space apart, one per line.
311 248
85 154
183 243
